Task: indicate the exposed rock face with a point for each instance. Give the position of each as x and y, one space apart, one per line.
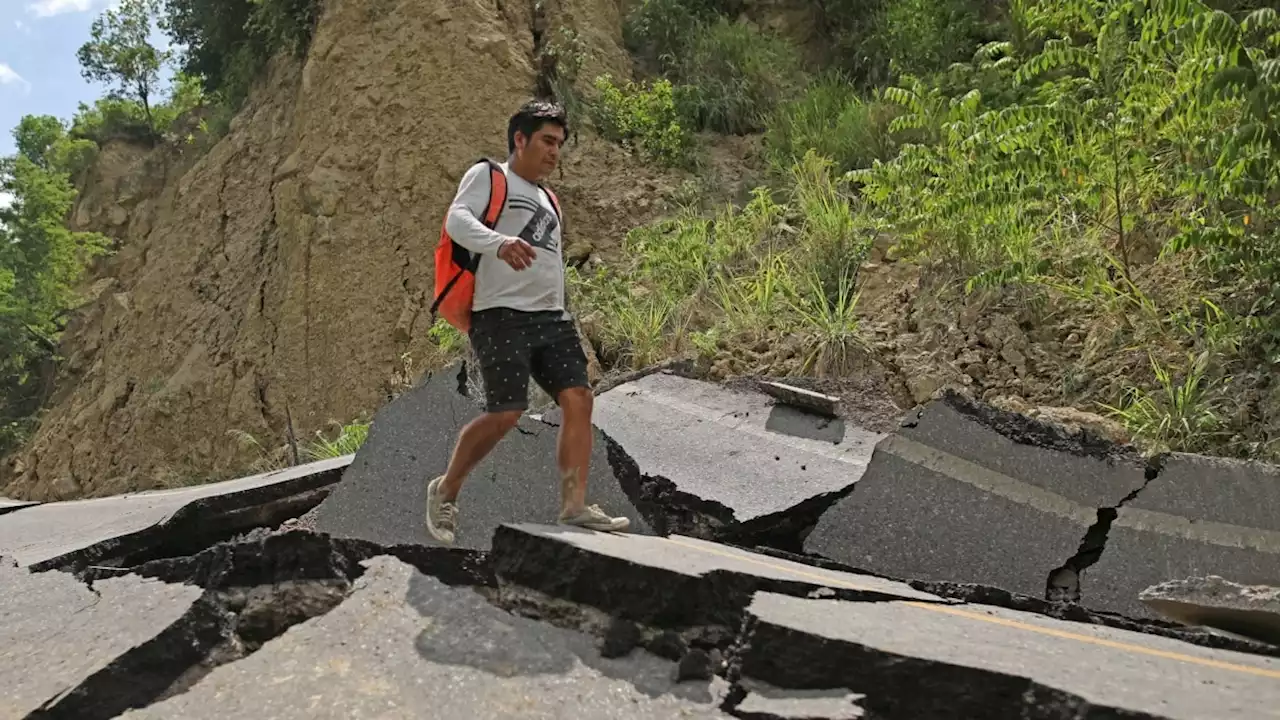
284 275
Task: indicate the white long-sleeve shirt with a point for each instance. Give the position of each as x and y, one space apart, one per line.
528 215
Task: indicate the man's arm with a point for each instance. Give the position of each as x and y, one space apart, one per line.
463 222
464 225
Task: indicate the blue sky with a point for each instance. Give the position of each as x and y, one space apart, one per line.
39 74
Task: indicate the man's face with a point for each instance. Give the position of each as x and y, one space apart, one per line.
542 151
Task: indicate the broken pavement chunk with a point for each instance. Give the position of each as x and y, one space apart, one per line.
742 468
57 635
764 702
382 497
674 582
1252 611
8 505
917 661
827 405
968 493
129 529
405 644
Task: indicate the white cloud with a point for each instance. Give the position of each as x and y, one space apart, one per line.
49 8
9 76
23 28
6 199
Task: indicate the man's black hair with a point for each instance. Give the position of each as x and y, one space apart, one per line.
533 115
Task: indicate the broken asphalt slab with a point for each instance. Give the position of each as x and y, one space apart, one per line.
182 617
1251 611
674 582
57 635
921 661
8 505
382 497
1200 516
757 471
403 644
129 529
967 493
557 621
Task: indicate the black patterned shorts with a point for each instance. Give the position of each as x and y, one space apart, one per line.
512 345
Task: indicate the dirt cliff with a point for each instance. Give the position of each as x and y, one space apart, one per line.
282 278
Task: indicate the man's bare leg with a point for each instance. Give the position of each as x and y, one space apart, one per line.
477 439
573 447
573 454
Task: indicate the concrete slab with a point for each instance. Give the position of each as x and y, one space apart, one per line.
56 633
923 661
8 505
1249 611
742 450
966 493
85 531
1199 516
382 497
675 580
406 645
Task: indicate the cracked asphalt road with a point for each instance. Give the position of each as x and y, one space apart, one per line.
540 621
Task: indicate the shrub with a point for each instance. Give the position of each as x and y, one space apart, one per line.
833 120
732 76
657 32
642 117
699 282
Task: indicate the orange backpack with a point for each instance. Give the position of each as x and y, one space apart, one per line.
456 266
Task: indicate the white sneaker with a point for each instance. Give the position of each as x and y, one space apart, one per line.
593 518
442 517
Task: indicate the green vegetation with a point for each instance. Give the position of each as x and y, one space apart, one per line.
748 276
40 263
120 53
227 43
1114 160
345 441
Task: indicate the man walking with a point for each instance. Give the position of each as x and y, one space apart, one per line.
519 323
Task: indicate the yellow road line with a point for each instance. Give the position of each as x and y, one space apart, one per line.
934 607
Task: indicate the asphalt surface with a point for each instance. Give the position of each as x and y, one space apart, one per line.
736 448
1199 516
382 496
800 642
989 661
55 633
962 499
51 530
611 557
404 645
9 505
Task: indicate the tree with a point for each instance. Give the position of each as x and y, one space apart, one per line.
40 263
36 136
120 53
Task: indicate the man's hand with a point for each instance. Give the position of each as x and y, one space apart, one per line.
517 253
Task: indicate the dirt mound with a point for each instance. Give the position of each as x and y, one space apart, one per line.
282 279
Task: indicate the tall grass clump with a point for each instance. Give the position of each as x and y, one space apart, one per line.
766 272
834 120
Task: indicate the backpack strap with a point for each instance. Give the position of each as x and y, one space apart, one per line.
555 201
497 193
497 201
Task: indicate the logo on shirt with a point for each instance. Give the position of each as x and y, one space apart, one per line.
540 230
